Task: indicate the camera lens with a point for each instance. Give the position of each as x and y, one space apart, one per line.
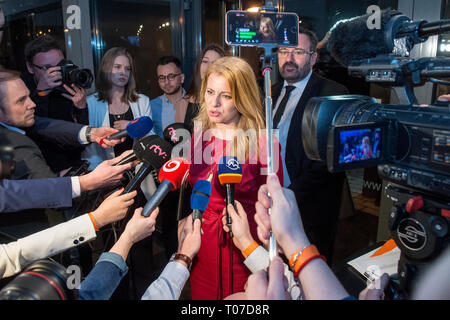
43 280
82 78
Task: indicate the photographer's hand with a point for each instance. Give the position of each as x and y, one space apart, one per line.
77 95
49 79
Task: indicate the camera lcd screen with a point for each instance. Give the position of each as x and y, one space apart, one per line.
360 145
256 28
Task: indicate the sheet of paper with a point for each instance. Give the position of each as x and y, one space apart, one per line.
374 267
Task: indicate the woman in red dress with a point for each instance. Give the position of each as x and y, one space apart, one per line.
230 123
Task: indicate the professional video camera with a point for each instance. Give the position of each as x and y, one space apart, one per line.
73 74
409 143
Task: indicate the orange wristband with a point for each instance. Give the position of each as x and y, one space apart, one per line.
250 249
93 221
42 94
308 254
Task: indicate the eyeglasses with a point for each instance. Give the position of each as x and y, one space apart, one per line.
43 68
297 52
170 77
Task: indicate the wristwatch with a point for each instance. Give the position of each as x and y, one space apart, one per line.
88 134
182 257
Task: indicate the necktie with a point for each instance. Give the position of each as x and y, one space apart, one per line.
282 106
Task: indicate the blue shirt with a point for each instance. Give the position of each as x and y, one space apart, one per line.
163 113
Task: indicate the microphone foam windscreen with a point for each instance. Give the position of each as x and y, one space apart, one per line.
153 150
352 40
200 195
174 170
139 127
173 132
229 170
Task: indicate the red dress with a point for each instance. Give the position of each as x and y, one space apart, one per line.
218 269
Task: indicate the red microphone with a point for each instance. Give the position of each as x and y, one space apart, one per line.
171 176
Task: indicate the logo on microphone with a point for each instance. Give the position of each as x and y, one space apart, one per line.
233 164
157 150
171 166
173 134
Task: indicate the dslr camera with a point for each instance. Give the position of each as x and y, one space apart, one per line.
72 74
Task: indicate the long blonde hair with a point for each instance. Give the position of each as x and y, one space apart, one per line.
247 100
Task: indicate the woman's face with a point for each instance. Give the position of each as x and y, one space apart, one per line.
209 57
121 71
219 102
263 28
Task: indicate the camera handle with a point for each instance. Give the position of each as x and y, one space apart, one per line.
266 71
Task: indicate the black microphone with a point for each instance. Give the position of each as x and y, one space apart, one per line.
174 132
135 129
138 148
352 40
154 153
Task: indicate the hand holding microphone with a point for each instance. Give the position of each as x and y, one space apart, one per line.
230 173
135 129
171 176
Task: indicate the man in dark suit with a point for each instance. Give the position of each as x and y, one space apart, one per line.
17 112
317 191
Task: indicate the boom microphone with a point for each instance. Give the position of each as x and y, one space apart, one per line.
352 40
230 173
200 197
171 176
135 129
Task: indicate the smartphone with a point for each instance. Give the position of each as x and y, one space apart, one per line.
254 29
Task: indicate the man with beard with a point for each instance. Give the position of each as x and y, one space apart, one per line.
317 191
170 80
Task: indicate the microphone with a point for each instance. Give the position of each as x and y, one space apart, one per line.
153 153
152 149
133 156
200 197
173 134
135 129
352 40
230 173
171 176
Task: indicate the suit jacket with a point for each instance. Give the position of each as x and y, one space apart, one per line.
30 164
53 105
17 195
58 131
317 191
16 255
